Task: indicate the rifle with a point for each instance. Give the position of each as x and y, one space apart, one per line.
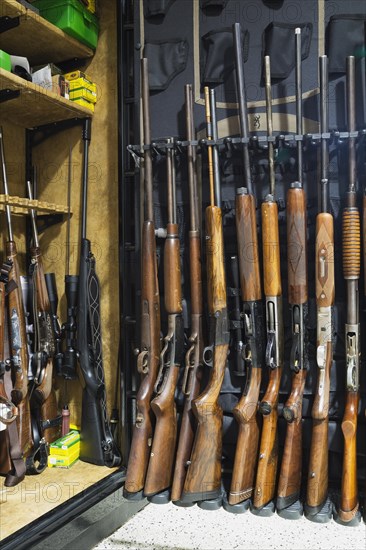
43 397
194 356
96 442
268 451
246 410
317 486
351 269
11 456
17 329
148 358
289 483
203 479
160 469
50 281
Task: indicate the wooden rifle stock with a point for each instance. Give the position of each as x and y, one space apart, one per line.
193 360
160 470
147 364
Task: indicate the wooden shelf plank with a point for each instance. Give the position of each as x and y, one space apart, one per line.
38 495
38 39
20 205
35 105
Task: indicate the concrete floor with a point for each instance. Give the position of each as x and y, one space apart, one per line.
167 527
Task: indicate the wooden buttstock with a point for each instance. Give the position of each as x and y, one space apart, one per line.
271 250
172 273
349 493
43 302
289 482
216 282
294 401
297 246
203 479
267 462
246 414
317 487
5 461
247 237
24 426
324 260
188 421
149 359
16 312
273 388
160 470
49 412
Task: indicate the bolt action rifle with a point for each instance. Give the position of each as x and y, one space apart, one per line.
246 411
160 469
148 358
194 356
46 423
317 486
349 503
96 442
289 482
17 329
11 456
203 479
268 451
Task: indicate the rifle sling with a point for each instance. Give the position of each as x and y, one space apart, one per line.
36 463
17 473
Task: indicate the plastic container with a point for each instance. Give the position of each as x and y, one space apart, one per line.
5 62
72 17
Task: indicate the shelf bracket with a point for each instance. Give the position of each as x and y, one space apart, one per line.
7 23
44 221
7 94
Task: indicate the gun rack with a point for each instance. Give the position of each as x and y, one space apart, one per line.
40 39
19 205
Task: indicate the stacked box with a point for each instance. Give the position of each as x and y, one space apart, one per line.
82 90
65 451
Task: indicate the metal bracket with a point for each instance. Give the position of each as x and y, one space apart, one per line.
38 134
7 94
7 23
48 220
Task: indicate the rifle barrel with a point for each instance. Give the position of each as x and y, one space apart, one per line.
298 101
147 139
216 168
33 216
324 123
193 194
267 65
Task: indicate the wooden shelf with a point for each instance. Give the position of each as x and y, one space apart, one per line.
19 205
35 105
37 39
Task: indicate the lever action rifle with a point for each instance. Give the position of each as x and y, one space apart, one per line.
351 269
203 479
160 470
194 356
317 486
289 482
148 358
268 452
246 411
96 442
43 401
17 329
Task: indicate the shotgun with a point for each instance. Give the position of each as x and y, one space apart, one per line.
317 485
268 451
289 482
194 356
160 470
203 479
148 358
351 270
17 329
246 411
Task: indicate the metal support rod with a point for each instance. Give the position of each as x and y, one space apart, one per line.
33 216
